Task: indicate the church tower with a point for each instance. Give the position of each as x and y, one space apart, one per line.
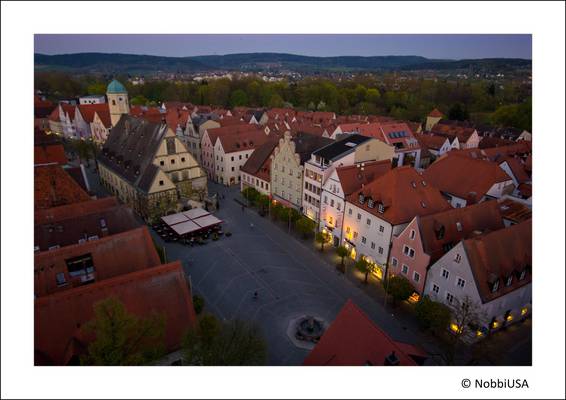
117 101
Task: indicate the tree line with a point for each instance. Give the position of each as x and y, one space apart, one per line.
411 99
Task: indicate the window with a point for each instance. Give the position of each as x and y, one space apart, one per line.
232 169
509 280
445 273
325 200
449 298
495 286
393 261
81 265
240 157
247 155
380 250
460 282
523 274
458 258
408 251
182 159
350 211
162 163
405 269
232 158
359 216
60 279
435 288
160 183
331 202
363 239
330 220
381 228
355 235
172 161
380 208
368 222
416 276
338 206
412 235
372 245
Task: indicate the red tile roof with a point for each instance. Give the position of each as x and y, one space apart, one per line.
463 133
457 224
259 163
431 141
59 318
517 168
513 210
53 186
112 256
522 148
354 340
88 110
404 194
74 210
435 113
49 153
353 177
243 140
491 259
461 176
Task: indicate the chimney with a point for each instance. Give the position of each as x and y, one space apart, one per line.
103 227
391 359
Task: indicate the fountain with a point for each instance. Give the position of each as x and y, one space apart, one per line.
305 331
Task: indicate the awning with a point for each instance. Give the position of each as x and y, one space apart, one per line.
185 227
190 221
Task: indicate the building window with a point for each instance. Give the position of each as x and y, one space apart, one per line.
435 288
509 280
449 298
355 234
359 216
368 221
160 183
412 235
393 261
380 208
445 273
331 202
405 269
460 282
232 169
162 163
381 228
373 245
338 206
363 239
458 258
408 251
232 158
349 211
60 278
172 161
325 200
347 229
495 286
416 276
380 250
182 159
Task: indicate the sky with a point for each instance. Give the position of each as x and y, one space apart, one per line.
427 45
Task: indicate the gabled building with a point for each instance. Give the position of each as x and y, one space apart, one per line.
287 162
466 181
427 238
342 182
47 149
354 340
346 151
436 145
53 187
61 120
382 209
148 167
256 172
433 118
493 271
466 134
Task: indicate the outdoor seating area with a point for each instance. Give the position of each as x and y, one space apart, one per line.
193 227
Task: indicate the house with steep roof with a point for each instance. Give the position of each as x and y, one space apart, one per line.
148 167
466 134
61 120
427 238
348 150
436 145
60 337
381 209
287 166
353 339
53 187
495 280
342 182
256 172
466 181
432 119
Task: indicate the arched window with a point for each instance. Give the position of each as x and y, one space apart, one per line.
113 102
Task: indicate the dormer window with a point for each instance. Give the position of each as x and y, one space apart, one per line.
509 280
523 274
495 286
361 198
371 203
459 226
380 208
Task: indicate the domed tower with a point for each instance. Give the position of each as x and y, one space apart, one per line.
117 101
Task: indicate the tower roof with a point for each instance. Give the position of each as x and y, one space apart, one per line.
115 87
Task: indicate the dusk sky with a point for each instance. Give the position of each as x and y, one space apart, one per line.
430 46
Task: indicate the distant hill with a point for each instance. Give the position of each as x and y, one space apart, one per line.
131 63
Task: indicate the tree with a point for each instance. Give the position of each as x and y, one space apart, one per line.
342 253
96 88
238 98
235 343
466 316
399 288
305 226
275 101
123 338
198 303
322 238
458 112
250 194
432 315
364 267
277 210
139 100
263 202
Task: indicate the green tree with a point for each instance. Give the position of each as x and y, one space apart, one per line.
235 343
122 338
275 101
139 100
399 288
238 98
250 194
198 303
96 88
342 253
322 238
276 211
458 112
305 226
432 315
364 267
263 202
514 115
